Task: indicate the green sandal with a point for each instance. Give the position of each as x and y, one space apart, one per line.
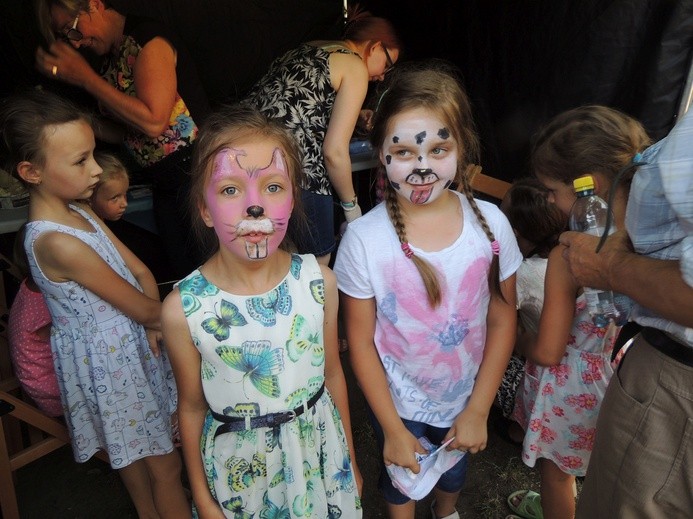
529 506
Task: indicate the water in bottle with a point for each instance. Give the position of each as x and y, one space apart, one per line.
589 214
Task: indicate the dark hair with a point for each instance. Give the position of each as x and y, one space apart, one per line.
23 121
362 26
436 86
588 139
43 13
230 125
532 216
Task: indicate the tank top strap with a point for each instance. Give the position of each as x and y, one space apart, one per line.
331 48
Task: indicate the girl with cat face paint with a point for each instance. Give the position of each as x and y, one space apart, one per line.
252 336
427 285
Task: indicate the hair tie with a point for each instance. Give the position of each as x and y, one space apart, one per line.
637 158
495 247
407 250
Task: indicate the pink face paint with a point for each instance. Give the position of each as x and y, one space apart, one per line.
248 205
420 156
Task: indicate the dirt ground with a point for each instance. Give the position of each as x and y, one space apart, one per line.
57 487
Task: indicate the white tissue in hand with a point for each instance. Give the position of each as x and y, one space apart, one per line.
432 466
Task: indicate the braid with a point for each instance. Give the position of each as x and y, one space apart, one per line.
428 274
494 271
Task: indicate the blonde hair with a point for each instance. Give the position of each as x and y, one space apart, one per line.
112 168
436 86
43 14
232 124
585 140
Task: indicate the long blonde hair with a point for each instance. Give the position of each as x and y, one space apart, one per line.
436 86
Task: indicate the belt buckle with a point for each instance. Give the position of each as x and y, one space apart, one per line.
275 419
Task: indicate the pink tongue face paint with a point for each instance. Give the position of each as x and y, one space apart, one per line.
420 156
248 199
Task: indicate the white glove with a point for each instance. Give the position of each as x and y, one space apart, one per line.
352 213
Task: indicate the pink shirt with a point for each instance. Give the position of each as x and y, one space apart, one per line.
31 355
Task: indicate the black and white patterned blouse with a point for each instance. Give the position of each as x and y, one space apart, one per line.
297 90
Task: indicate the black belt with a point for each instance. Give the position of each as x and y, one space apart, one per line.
238 423
670 347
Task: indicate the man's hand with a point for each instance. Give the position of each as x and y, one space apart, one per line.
588 267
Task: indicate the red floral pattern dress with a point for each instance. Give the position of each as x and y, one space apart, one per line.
557 406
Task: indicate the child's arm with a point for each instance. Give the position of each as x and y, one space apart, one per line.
400 444
334 375
66 258
141 272
192 406
557 314
470 426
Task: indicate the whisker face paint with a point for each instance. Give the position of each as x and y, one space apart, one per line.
248 199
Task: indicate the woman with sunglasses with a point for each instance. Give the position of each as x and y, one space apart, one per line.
317 91
150 86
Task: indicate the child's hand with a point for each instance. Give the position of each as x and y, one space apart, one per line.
400 450
155 340
470 432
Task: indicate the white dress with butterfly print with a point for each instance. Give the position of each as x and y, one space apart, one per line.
116 395
264 354
557 406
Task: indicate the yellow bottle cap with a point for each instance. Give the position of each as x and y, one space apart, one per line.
583 183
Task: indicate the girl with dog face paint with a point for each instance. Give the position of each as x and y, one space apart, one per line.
420 156
249 199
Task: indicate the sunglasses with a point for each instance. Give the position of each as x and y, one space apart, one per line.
388 61
72 33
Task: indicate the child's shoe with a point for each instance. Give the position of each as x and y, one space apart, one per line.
453 515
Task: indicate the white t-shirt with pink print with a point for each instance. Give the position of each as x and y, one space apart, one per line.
431 356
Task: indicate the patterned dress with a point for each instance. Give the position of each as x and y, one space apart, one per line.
297 91
558 405
116 395
265 354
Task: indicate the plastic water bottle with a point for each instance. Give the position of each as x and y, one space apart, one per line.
589 214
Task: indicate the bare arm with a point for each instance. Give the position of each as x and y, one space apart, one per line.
155 83
350 79
66 258
469 427
556 321
400 444
334 375
653 283
192 406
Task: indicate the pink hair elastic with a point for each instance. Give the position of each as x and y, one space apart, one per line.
407 250
495 247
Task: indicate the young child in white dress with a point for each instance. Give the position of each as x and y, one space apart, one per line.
264 414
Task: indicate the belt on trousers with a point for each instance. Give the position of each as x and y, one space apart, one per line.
670 347
238 423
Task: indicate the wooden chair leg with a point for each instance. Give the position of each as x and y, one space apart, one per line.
8 503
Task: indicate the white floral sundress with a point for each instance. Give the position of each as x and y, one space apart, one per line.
558 405
265 354
116 395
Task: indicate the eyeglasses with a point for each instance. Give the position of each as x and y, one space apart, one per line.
388 61
73 34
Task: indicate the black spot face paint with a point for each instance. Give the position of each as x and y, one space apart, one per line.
395 185
420 158
395 139
443 133
447 184
420 137
388 159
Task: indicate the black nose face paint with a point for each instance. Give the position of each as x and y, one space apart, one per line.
255 211
421 176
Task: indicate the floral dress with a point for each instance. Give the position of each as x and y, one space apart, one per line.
558 405
181 131
297 90
116 395
265 354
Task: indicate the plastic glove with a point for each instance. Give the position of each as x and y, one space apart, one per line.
352 214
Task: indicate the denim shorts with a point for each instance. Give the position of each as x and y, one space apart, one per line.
451 481
319 236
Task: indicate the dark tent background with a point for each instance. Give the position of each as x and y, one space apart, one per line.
523 60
